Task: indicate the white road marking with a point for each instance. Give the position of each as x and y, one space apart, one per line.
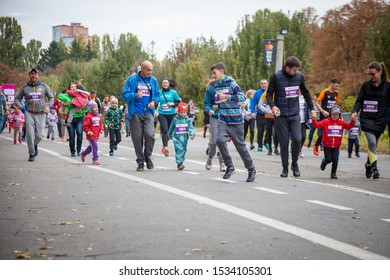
330 205
224 180
386 220
269 190
190 172
290 229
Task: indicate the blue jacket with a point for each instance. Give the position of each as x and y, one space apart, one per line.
209 101
283 92
256 100
130 92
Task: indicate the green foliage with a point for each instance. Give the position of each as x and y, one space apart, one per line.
379 36
77 50
12 51
54 54
32 53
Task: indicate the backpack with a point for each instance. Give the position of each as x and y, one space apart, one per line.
63 111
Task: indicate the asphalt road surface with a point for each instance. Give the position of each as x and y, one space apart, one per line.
60 208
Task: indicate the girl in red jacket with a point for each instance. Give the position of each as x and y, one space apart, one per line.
93 126
332 135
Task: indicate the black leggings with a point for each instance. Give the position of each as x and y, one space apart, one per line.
165 122
332 156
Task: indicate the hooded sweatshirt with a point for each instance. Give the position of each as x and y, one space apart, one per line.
35 97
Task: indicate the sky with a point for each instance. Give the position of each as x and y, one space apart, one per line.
164 22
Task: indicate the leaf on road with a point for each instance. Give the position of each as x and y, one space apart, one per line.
196 250
223 242
187 230
22 255
44 248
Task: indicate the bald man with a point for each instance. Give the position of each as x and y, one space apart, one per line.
141 92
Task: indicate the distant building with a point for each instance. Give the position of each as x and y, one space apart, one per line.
69 33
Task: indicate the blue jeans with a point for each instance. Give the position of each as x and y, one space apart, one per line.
2 122
76 130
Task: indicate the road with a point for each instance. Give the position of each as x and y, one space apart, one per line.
60 208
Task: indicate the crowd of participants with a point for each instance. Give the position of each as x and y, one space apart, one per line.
282 110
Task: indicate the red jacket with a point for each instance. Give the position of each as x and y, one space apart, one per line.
93 123
332 131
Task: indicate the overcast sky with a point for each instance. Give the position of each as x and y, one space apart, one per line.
162 21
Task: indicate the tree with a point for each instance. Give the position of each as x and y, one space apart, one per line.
379 36
77 50
107 47
12 50
340 47
32 52
53 55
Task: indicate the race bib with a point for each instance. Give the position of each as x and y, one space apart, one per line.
302 104
35 95
96 121
144 89
181 128
335 131
17 121
331 103
370 106
354 131
165 108
292 92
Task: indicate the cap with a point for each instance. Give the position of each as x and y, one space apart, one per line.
34 70
335 110
91 104
182 107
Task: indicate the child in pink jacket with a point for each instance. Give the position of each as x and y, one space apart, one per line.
79 101
17 118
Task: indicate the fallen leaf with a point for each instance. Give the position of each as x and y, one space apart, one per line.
196 250
44 248
22 255
223 242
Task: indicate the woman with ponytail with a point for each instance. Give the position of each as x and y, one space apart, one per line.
373 103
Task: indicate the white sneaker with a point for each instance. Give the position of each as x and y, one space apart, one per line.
222 166
301 155
209 163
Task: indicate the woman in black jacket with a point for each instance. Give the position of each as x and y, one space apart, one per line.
372 103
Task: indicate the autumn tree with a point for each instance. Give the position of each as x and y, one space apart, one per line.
340 45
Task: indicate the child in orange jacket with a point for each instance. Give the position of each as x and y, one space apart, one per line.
332 133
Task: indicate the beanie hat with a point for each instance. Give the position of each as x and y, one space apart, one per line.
114 100
91 104
182 107
111 97
335 110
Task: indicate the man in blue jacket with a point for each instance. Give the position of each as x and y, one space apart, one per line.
283 98
141 92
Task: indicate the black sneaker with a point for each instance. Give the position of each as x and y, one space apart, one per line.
284 173
251 175
149 163
269 153
368 170
349 156
229 172
375 174
111 153
277 152
323 165
252 147
295 169
357 155
115 147
180 167
140 166
36 150
31 158
333 176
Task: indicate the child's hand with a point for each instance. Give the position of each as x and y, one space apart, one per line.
192 137
89 133
354 116
313 114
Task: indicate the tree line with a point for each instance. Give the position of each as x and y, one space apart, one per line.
339 44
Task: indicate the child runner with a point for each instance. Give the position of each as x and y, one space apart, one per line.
332 132
92 126
353 139
17 119
181 127
52 120
113 120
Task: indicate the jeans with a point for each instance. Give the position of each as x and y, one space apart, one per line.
76 130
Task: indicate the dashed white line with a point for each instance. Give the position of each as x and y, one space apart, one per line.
224 180
269 190
386 220
330 205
